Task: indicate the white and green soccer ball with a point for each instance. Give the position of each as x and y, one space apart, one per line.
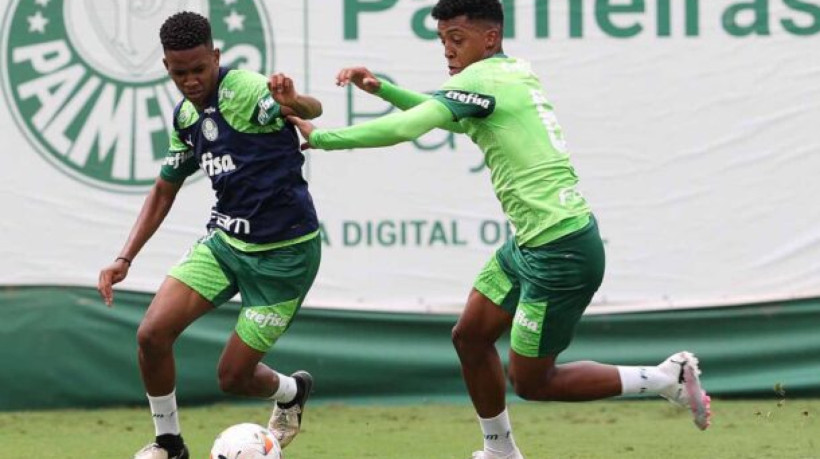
246 441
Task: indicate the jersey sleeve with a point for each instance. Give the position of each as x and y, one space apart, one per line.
405 99
384 131
246 103
399 97
180 162
265 111
463 95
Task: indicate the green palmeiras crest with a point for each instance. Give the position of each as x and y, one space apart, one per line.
85 81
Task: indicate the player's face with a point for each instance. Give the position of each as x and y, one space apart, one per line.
466 42
195 71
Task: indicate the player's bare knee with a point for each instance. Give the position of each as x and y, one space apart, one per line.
153 340
527 390
522 391
464 340
455 337
472 348
518 384
539 388
230 385
232 382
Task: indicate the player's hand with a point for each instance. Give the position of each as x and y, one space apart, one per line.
361 77
305 128
112 274
282 89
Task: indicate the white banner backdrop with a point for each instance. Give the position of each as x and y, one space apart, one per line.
693 126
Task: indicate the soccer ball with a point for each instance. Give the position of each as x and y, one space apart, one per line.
246 441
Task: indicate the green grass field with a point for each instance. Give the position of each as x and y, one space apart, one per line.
600 430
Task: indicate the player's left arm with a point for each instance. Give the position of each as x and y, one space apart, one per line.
381 132
284 92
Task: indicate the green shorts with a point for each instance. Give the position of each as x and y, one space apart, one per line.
545 288
273 283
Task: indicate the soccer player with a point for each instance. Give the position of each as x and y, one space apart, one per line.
262 240
539 284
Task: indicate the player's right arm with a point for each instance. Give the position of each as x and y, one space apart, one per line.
178 165
154 209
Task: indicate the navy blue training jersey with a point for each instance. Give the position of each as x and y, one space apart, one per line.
252 157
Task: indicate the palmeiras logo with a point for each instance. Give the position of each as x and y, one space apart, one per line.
85 80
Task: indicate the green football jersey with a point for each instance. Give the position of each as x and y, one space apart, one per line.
500 104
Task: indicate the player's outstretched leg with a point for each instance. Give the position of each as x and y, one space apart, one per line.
286 419
687 392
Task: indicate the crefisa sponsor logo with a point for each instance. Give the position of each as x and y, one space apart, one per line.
468 98
524 321
86 84
265 318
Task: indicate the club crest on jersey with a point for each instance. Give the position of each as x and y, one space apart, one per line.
209 129
85 83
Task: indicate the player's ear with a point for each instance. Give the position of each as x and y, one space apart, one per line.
165 63
492 37
216 56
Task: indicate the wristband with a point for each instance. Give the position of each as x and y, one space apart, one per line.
124 259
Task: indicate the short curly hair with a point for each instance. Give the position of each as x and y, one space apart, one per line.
482 10
185 30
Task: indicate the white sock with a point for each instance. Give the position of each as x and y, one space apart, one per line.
164 412
286 391
643 380
498 437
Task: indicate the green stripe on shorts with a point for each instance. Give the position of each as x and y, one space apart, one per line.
260 326
527 329
201 271
494 283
